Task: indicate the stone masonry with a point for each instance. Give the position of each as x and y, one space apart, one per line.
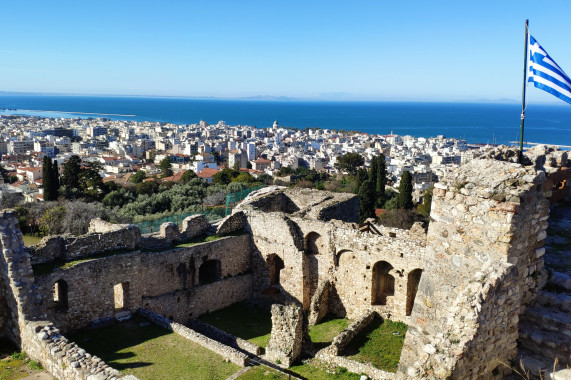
289 338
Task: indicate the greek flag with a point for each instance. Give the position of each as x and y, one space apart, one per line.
545 74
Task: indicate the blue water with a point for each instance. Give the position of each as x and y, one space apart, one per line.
475 122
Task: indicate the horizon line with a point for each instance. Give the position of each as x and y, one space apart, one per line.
277 98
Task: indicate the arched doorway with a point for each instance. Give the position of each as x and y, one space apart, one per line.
411 288
275 265
383 283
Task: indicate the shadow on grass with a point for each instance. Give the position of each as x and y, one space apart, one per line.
353 347
242 320
109 341
379 344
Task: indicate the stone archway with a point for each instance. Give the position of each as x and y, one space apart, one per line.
275 265
383 283
411 288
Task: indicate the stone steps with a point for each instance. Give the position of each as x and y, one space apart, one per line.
548 318
561 280
561 301
535 365
545 343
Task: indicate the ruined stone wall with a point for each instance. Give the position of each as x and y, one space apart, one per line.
108 237
62 358
90 284
3 309
223 337
181 305
346 336
315 251
19 297
488 214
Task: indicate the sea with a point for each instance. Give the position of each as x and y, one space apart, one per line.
477 123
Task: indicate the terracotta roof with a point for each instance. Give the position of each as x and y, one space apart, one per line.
207 173
30 169
262 161
174 178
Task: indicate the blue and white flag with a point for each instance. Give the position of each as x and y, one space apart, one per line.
545 74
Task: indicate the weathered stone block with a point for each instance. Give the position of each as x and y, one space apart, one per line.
232 223
289 337
194 225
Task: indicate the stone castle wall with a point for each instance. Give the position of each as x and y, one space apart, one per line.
62 358
181 305
488 214
90 284
102 236
315 251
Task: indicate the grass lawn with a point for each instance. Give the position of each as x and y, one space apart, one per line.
14 364
150 352
244 321
323 333
308 371
45 268
380 345
30 240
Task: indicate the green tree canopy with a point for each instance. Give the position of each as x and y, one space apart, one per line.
349 162
366 201
138 177
91 183
404 198
166 167
187 176
245 178
71 170
225 176
424 208
50 182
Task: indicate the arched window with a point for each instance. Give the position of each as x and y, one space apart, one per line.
383 283
311 244
209 271
60 296
275 265
412 288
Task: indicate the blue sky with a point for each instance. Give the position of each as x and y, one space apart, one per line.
376 50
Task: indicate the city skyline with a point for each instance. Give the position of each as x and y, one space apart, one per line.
317 51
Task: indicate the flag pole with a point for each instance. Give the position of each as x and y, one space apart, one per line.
520 155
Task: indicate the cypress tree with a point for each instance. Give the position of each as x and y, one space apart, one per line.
71 171
47 180
404 199
55 178
366 201
373 170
